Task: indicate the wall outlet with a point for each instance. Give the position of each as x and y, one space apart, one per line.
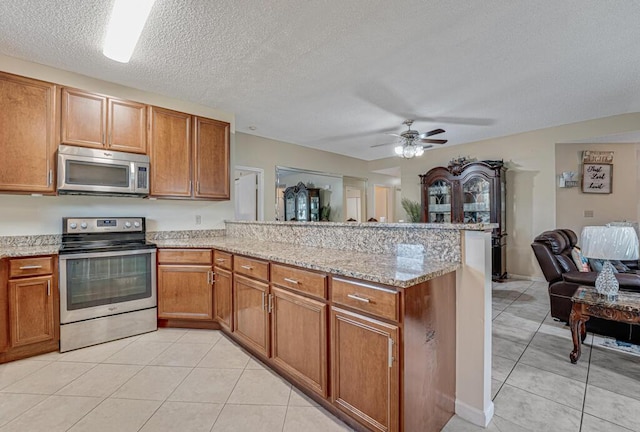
198 219
588 213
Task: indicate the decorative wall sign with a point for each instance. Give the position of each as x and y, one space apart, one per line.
602 157
597 178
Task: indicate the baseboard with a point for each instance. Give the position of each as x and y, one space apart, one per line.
474 415
524 277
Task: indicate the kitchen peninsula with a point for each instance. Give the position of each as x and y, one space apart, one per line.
383 324
442 271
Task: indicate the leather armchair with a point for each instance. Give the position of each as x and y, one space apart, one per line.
553 251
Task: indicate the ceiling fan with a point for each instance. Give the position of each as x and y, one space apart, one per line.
412 142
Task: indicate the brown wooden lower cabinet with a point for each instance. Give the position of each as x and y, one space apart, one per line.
381 358
185 292
185 288
223 293
31 310
29 307
251 313
299 338
366 369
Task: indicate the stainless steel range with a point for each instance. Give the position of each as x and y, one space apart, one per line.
107 281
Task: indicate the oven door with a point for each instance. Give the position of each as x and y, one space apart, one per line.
100 284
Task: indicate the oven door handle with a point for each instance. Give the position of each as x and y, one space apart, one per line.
84 255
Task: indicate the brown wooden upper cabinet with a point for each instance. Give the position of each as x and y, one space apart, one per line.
92 120
189 155
28 137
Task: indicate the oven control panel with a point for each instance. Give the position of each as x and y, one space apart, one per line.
97 225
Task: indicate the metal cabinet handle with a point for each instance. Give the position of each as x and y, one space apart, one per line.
391 359
213 277
220 260
293 281
30 267
50 178
357 297
264 303
247 267
270 303
48 287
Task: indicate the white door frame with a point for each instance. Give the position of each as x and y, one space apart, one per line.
260 174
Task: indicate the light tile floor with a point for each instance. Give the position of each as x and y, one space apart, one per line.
536 388
198 380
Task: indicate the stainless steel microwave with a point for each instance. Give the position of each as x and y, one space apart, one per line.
102 172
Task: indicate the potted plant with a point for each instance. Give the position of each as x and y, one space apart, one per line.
412 208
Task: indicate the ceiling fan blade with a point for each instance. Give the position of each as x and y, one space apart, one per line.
432 133
433 141
395 135
426 147
382 145
457 120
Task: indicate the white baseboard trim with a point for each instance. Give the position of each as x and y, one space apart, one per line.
474 415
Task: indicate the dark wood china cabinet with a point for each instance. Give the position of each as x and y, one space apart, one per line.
471 192
302 203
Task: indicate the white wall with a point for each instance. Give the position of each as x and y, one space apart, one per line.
24 215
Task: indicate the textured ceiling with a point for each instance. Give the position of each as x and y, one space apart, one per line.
335 74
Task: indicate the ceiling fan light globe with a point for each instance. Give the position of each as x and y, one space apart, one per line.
408 152
398 150
419 151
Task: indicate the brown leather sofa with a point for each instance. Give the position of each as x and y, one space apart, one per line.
553 251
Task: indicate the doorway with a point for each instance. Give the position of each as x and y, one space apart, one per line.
249 193
383 203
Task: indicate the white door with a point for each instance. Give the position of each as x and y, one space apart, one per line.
247 197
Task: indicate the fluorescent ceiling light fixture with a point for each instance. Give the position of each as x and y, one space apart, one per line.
127 21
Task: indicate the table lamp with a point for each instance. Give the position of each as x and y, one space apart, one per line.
609 243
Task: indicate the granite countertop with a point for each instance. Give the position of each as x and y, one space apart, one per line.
22 251
402 270
373 225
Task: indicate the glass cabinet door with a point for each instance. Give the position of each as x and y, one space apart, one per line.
439 201
477 200
315 209
302 201
289 205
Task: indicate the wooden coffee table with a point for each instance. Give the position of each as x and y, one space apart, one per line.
587 303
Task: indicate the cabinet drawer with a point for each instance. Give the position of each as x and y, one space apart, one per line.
304 281
375 300
19 267
251 267
184 256
223 260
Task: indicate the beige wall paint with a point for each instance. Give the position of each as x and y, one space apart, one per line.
255 151
621 204
24 215
531 178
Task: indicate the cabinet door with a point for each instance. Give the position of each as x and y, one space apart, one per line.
299 338
84 118
250 313
185 292
439 202
211 158
223 298
476 203
365 371
31 310
27 134
170 153
127 126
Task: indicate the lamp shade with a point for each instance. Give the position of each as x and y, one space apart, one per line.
610 242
